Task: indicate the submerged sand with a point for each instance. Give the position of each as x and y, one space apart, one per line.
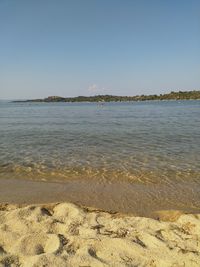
123 197
65 234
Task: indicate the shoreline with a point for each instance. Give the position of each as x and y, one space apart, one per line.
47 224
65 234
117 197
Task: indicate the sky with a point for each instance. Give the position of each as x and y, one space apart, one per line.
89 47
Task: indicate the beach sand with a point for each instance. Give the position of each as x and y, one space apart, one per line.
65 234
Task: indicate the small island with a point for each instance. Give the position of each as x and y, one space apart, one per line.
181 95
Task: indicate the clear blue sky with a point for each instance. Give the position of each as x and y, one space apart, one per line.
87 47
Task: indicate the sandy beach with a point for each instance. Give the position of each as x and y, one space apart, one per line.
99 133
65 234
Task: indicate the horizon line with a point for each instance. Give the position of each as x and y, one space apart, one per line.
175 91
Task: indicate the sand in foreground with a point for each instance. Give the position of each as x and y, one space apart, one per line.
67 235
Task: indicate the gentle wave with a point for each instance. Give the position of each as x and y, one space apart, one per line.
153 144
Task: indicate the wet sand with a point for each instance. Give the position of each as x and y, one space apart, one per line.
103 228
121 197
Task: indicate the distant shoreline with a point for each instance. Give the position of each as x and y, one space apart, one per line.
186 95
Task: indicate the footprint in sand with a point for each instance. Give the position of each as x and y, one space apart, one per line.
38 244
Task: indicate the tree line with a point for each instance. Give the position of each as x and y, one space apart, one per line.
181 95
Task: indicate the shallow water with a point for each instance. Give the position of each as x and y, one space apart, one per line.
148 145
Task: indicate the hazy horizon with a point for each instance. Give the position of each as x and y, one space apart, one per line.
166 92
73 48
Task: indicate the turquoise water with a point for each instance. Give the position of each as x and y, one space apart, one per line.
141 142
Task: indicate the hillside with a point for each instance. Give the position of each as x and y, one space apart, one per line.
186 95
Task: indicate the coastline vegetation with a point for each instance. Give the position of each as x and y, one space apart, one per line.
181 95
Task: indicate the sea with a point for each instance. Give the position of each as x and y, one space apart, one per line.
149 150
